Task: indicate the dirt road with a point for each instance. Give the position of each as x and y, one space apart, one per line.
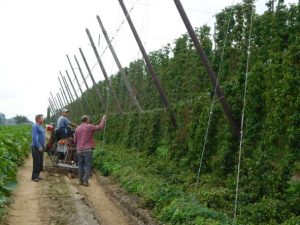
59 200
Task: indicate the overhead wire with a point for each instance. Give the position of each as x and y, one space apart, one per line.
138 55
213 101
108 94
243 117
111 40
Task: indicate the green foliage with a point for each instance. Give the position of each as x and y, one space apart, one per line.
272 121
14 144
21 119
156 182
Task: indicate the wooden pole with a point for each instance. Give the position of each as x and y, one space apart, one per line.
84 80
55 103
79 106
63 88
109 84
63 97
67 87
151 70
52 108
72 68
74 90
208 68
81 73
93 80
87 106
59 100
122 71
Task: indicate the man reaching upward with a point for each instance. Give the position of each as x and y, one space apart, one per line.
85 144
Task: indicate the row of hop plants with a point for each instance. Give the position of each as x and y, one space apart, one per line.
14 148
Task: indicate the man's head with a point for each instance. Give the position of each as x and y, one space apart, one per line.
65 112
39 119
85 119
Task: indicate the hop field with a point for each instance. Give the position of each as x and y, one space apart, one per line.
14 147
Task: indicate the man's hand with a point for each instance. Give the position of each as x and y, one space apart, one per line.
73 124
41 149
103 118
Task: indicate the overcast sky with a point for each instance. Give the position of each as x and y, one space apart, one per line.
37 34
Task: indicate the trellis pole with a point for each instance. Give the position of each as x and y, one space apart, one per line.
150 67
93 80
208 67
109 84
123 74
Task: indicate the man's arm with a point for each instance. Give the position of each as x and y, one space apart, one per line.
72 124
101 125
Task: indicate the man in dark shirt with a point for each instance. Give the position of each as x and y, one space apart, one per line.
37 147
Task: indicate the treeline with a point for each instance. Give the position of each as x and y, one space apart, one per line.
272 126
18 119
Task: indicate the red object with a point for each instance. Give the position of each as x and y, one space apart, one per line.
49 127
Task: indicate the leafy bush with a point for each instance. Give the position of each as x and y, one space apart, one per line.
14 146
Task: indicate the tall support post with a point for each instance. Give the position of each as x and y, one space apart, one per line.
83 78
59 101
56 111
72 68
51 111
152 72
123 74
63 97
105 75
93 80
55 103
64 92
67 88
70 95
74 90
52 108
81 73
79 106
208 67
77 81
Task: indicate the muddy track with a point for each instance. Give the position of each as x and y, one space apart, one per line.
59 200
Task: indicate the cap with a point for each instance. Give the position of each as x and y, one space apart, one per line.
65 110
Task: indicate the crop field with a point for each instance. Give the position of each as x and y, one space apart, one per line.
14 147
203 131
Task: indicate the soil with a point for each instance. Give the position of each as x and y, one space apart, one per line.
296 176
60 200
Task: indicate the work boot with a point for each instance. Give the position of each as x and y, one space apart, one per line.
85 183
80 182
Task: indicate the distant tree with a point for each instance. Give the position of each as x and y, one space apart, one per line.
21 119
2 119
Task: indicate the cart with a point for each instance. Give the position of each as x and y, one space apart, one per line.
62 151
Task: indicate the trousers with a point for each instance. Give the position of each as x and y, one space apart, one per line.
85 159
38 159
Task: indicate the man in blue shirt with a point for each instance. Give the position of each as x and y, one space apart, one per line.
63 120
63 125
37 147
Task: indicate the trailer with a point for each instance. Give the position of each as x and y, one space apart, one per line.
62 151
